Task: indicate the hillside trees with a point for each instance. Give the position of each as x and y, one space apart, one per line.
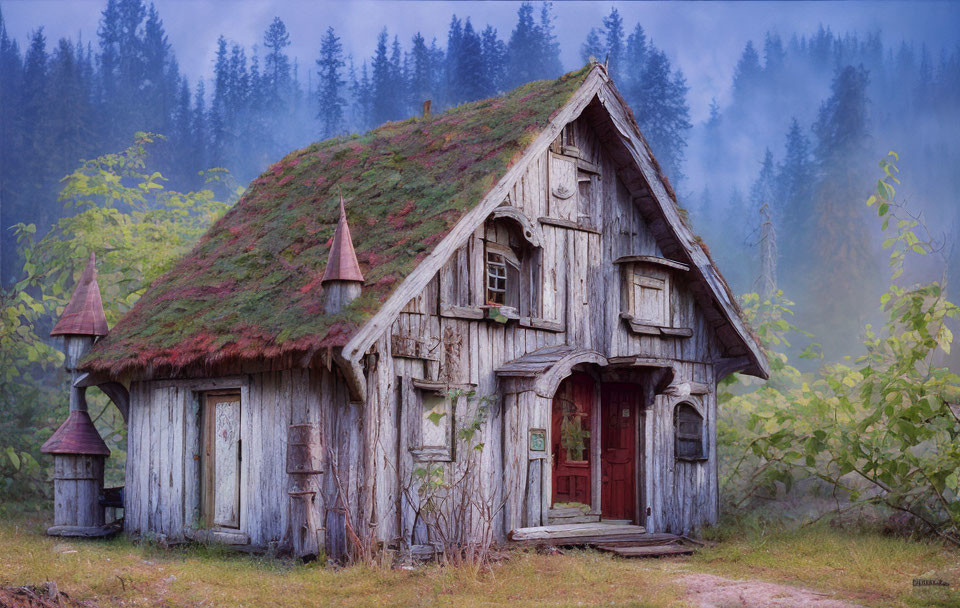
880 429
137 228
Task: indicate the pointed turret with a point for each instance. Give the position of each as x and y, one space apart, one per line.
77 448
83 315
342 264
342 279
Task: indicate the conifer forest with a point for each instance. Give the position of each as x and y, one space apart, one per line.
818 167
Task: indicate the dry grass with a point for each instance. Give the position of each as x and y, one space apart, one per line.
862 566
868 569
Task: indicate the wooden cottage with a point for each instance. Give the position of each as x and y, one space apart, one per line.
504 295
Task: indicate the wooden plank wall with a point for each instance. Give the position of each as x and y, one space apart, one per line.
580 290
163 477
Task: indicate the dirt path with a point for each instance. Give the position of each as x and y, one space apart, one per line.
708 591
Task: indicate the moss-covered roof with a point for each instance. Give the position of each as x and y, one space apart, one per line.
250 288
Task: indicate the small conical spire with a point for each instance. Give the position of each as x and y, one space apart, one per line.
83 315
342 265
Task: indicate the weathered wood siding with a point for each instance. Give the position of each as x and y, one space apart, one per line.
163 460
439 337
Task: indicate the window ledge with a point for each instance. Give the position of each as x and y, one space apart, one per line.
648 329
693 458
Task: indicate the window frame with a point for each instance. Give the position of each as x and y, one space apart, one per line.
511 264
689 405
416 398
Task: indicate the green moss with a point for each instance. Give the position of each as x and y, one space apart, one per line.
251 285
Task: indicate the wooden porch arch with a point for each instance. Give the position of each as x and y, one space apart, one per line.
544 369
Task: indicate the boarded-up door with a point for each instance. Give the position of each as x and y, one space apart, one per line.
570 432
618 414
221 460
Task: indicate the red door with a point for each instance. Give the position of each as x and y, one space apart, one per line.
618 414
570 438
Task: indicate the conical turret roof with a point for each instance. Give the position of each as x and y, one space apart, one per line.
76 435
342 265
83 315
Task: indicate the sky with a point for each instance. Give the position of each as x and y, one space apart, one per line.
704 39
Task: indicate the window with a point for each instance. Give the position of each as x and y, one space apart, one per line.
688 425
503 276
649 300
429 419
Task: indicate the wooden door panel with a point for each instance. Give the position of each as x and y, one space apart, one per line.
618 414
572 408
221 463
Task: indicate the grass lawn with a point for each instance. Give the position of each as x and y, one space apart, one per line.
864 568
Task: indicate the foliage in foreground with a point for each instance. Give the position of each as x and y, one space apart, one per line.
880 429
136 228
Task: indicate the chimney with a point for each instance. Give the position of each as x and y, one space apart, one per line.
78 450
342 279
426 108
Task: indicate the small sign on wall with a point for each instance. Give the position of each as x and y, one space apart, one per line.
538 443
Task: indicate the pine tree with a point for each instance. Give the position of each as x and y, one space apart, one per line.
844 265
613 43
381 84
330 102
747 74
469 73
11 134
548 45
774 55
451 94
634 61
795 182
764 188
276 63
200 129
493 52
424 68
532 53
662 113
592 48
221 105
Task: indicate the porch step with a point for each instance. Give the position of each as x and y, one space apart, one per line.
576 534
571 515
658 550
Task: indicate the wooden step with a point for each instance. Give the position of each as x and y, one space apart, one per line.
647 551
578 534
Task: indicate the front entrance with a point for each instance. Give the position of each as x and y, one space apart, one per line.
570 431
591 440
618 442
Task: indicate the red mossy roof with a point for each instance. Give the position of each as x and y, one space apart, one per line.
249 289
83 314
76 435
342 264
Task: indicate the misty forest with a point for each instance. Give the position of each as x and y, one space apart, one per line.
825 188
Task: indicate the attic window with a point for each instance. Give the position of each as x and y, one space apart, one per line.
688 425
503 276
650 299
